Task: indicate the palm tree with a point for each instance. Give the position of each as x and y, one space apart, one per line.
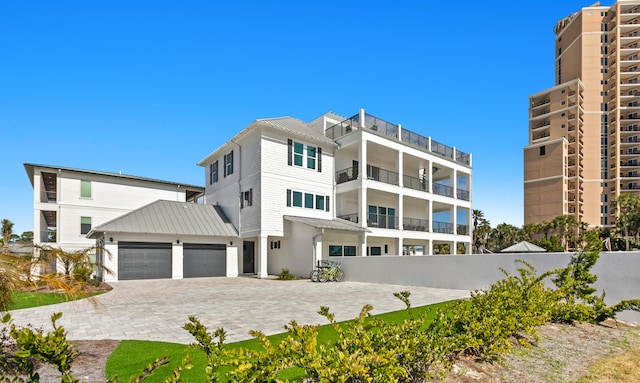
7 230
567 225
626 208
76 262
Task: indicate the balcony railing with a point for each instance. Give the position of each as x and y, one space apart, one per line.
353 217
442 227
391 130
383 221
441 189
463 230
377 174
415 224
346 175
415 183
441 149
463 194
48 197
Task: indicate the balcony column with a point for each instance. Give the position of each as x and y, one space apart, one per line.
454 183
429 248
362 183
430 217
262 256
361 118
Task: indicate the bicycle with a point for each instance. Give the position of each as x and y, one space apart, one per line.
327 271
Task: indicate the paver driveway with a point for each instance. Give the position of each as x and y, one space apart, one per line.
157 309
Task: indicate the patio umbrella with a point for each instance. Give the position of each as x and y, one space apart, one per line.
523 247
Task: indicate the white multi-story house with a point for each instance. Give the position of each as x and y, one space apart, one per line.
282 193
69 203
299 192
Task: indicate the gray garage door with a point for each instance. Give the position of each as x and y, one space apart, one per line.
204 260
144 260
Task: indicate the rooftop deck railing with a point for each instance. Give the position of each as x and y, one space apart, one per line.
393 131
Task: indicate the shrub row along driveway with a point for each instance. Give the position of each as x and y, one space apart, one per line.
157 309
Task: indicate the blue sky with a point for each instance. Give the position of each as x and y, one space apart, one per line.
149 88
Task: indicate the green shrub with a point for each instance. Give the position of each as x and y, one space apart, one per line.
286 275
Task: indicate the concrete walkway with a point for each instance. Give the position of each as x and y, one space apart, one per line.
157 309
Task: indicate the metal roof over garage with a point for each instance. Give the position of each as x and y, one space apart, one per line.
171 217
329 224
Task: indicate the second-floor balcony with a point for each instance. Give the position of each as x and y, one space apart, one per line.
383 221
346 175
353 217
442 227
462 229
415 224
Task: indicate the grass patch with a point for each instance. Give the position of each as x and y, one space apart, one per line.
131 356
621 368
25 299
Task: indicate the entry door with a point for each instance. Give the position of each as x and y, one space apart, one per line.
248 257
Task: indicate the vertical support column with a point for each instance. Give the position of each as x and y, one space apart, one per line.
430 217
177 260
232 261
318 251
262 256
361 118
429 248
454 183
362 181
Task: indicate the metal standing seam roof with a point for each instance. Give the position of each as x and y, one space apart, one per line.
171 217
30 170
330 224
286 124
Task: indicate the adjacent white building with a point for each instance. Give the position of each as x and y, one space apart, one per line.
281 194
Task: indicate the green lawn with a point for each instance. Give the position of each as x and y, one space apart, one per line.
24 299
131 356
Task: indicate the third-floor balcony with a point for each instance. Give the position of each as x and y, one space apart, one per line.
382 175
442 189
415 183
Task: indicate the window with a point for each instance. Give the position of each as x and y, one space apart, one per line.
85 225
603 221
228 164
375 250
339 250
246 198
320 202
85 189
275 245
307 200
384 217
303 155
297 199
603 209
298 153
542 150
311 157
213 170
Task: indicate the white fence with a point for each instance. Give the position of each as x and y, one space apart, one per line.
618 273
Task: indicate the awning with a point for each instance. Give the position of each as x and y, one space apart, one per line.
328 224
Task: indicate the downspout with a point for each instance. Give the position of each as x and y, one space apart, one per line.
313 240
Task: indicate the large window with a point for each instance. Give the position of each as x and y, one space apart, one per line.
85 225
85 189
304 155
307 200
384 217
228 164
213 170
339 251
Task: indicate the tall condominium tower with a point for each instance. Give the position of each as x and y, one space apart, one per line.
583 146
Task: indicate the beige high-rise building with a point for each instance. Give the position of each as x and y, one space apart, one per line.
583 133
